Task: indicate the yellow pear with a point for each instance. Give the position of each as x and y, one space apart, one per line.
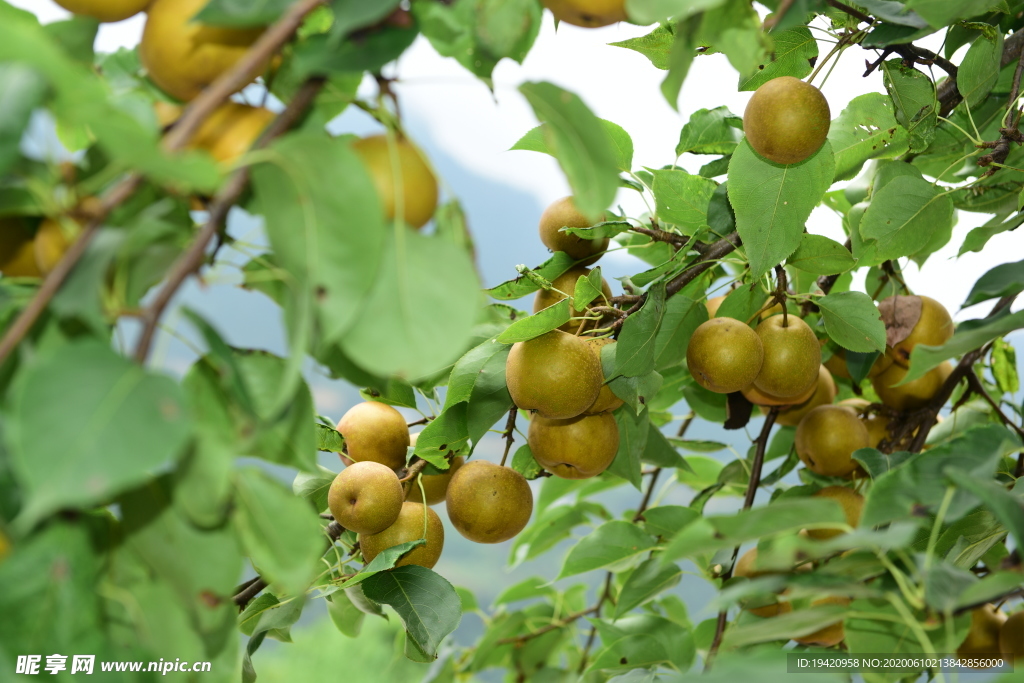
375 431
105 10
555 374
786 120
877 424
759 398
488 503
826 438
934 328
17 251
578 448
564 214
587 13
231 130
792 357
606 400
408 187
912 395
566 282
435 486
365 497
982 639
823 393
713 304
830 635
183 56
51 242
1011 637
852 502
724 355
408 527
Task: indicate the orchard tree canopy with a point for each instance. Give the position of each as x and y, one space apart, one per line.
143 515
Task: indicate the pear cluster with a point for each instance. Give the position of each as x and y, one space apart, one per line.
993 635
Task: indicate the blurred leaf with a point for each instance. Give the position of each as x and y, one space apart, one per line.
536 140
784 626
852 320
21 91
425 602
633 432
1004 367
252 13
989 589
878 463
879 627
608 544
314 486
645 582
666 520
1007 506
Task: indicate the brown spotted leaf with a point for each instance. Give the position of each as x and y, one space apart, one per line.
900 314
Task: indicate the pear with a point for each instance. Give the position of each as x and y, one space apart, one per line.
853 505
375 431
17 252
578 448
933 328
587 13
408 527
837 364
759 398
826 438
566 282
745 567
724 355
606 401
231 130
413 177
1011 637
792 357
564 214
830 635
911 395
786 120
435 486
488 503
50 244
823 393
877 425
982 639
555 374
184 56
105 10
365 497
713 304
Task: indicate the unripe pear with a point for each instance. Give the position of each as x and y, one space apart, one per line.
606 401
488 503
412 182
724 355
365 497
587 13
1011 637
17 250
578 448
408 527
375 431
933 328
183 56
564 214
830 635
823 393
982 639
912 395
826 438
853 505
555 374
105 10
566 282
786 120
792 357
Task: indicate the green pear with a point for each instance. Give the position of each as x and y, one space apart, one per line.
792 356
724 355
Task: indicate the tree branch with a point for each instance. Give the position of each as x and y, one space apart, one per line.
605 594
562 623
947 92
645 501
978 388
659 235
510 428
856 14
715 252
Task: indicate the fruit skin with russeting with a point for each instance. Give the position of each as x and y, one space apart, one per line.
786 120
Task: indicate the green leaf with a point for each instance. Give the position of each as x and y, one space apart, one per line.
521 285
794 52
21 91
635 350
425 602
680 56
913 93
279 531
346 616
784 626
245 14
878 463
449 431
636 391
647 12
1007 506
645 582
682 316
533 587
633 432
821 256
608 544
385 560
541 322
865 129
659 451
682 199
666 520
993 587
1003 280
773 201
525 464
903 215
536 140
875 625
656 46
979 69
978 237
126 423
581 144
314 486
1004 367
924 358
329 439
939 13
549 527
641 640
852 320
710 131
588 288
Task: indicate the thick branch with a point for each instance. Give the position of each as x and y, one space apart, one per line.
659 235
947 92
715 252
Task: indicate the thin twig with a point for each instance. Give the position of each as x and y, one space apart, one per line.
978 388
410 474
856 14
508 435
645 501
659 235
547 628
605 594
715 251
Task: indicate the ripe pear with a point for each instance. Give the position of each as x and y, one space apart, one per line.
745 567
365 497
877 424
934 328
982 639
824 392
411 183
435 486
587 13
564 214
488 503
786 120
792 357
713 304
556 374
914 394
724 355
1011 637
51 242
606 401
826 438
759 398
830 635
837 365
578 448
183 56
408 527
852 502
375 431
105 10
17 252
566 282
231 130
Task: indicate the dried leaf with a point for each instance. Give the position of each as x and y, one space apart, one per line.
900 314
